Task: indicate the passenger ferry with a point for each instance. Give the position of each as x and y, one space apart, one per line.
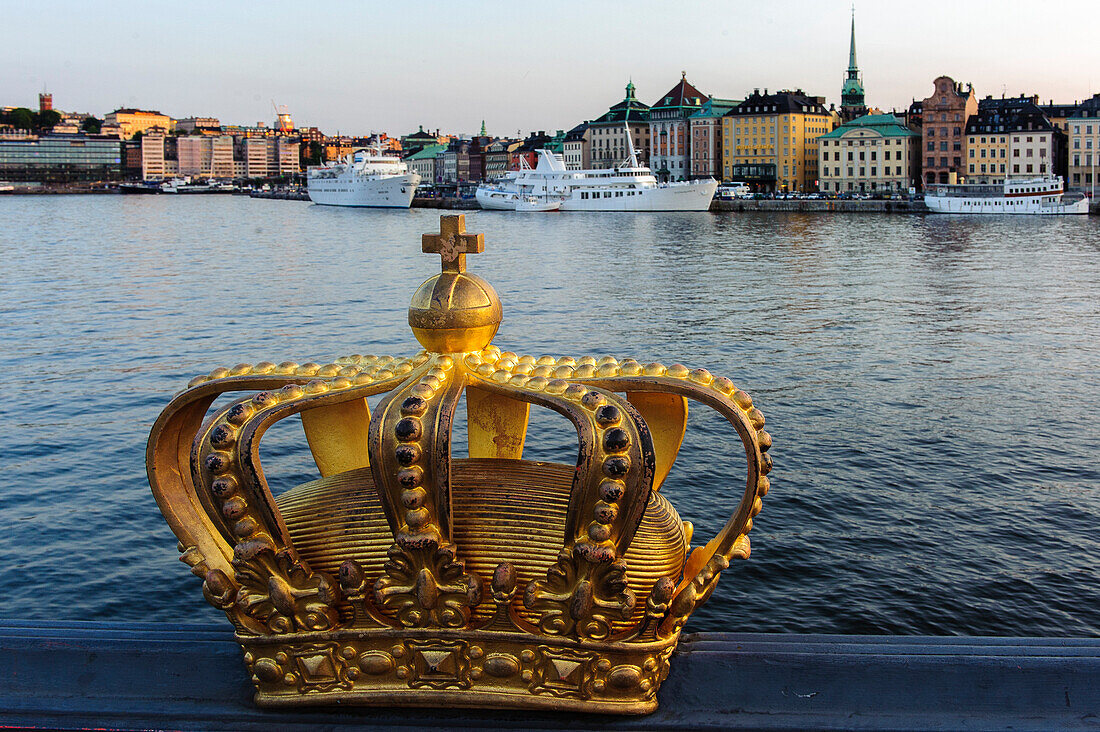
367 177
1044 195
630 187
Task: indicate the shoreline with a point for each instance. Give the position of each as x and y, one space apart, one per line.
802 205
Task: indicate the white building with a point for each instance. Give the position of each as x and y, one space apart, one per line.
670 130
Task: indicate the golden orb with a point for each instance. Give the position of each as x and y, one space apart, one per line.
455 312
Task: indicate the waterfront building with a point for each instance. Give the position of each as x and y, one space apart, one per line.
337 148
455 163
422 162
944 117
1060 114
1012 138
852 104
206 125
420 139
770 140
669 130
132 121
498 157
706 137
59 158
527 151
556 143
131 158
575 148
153 156
478 148
607 133
205 156
286 156
1084 147
254 152
914 115
874 153
311 134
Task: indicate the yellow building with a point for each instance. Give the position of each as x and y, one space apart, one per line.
770 140
1084 147
875 153
132 121
987 157
1012 138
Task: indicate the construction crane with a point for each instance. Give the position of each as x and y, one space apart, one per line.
283 122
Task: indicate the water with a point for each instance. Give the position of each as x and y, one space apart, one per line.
930 382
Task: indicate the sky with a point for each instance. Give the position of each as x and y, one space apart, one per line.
360 67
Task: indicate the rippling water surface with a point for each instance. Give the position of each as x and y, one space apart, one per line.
931 384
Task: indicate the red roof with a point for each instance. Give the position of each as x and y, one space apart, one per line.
681 95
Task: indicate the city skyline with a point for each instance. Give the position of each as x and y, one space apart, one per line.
518 69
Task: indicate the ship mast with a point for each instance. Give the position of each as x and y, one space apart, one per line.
632 159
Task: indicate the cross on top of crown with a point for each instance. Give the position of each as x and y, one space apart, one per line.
452 243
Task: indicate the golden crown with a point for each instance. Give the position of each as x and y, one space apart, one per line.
408 576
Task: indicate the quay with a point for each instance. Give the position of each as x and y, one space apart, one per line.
808 205
280 195
144 676
799 205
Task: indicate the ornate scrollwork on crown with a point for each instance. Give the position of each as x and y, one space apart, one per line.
410 437
218 501
656 402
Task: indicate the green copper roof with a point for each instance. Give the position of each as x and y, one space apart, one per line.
714 107
628 110
852 65
428 151
886 125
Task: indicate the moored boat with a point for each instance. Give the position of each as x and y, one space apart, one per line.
537 204
1039 196
628 187
140 188
367 177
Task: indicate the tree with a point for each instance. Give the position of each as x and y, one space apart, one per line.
91 125
46 119
22 119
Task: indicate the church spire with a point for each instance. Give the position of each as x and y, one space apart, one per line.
851 96
483 132
852 67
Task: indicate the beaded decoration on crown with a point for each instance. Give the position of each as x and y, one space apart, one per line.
406 575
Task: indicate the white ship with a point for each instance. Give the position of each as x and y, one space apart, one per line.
367 177
1044 195
628 187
